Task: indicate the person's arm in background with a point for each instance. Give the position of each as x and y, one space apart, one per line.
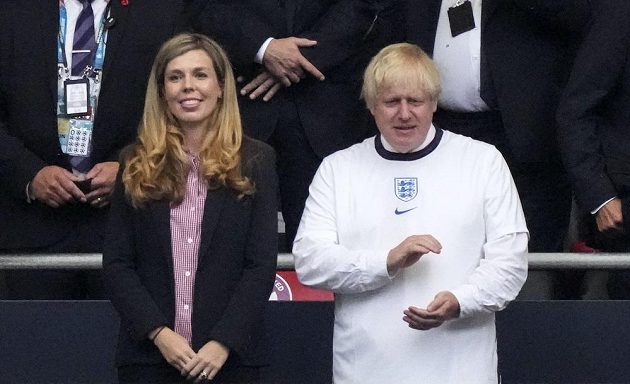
19 166
600 63
335 37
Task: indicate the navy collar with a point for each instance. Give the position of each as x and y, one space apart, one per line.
387 155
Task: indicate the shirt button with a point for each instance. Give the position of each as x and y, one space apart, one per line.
186 306
189 240
187 273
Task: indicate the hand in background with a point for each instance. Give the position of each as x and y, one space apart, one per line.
263 83
54 186
103 176
609 218
284 60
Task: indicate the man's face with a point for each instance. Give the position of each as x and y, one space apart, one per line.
403 115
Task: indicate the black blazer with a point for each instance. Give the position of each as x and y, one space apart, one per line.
328 110
594 113
235 274
525 53
28 94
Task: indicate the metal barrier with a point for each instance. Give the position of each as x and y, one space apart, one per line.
537 261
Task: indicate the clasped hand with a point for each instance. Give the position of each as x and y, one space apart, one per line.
179 354
284 65
55 186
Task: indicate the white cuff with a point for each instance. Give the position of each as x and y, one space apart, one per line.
261 51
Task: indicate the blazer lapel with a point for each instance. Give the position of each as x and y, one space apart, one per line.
49 29
115 33
215 202
422 21
487 91
488 7
188 14
160 214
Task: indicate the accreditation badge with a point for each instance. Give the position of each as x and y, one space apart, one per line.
460 17
77 97
79 138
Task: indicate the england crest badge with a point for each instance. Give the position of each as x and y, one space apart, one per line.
406 188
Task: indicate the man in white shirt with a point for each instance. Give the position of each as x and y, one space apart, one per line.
420 234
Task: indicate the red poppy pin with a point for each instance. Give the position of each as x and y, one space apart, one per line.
124 3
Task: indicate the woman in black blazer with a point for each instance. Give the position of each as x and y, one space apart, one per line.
190 256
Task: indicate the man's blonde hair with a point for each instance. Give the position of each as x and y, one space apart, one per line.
399 64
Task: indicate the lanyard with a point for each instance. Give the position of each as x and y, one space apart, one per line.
99 57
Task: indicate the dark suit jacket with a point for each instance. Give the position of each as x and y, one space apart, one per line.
328 110
594 113
235 273
28 93
524 57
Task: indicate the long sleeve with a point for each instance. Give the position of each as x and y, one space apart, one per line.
18 164
244 312
129 296
502 270
583 114
339 33
320 261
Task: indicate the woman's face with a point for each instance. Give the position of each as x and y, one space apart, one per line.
191 89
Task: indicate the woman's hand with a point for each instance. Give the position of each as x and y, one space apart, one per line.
174 348
207 363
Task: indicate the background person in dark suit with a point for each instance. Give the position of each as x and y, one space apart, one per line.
191 254
503 64
594 131
60 217
314 116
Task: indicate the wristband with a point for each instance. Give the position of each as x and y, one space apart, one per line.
158 332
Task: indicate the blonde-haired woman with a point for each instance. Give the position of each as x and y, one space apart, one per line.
191 252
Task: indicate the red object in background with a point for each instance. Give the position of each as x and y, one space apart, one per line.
124 3
288 288
582 247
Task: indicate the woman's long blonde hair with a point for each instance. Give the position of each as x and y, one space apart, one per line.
157 165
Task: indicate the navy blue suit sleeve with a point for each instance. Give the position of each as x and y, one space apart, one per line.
339 33
601 61
18 164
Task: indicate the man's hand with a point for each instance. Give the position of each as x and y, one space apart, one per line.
284 60
443 307
609 218
263 83
410 251
54 186
174 348
103 177
209 359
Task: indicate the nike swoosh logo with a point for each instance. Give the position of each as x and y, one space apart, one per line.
404 211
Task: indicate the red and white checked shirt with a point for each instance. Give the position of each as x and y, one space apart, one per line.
185 238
